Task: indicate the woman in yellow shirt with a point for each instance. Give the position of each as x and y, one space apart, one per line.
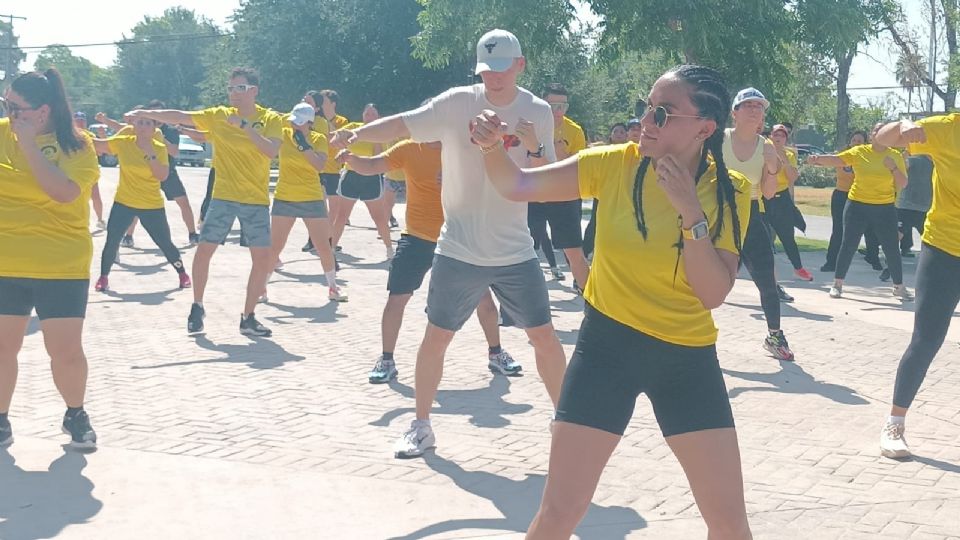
47 170
878 172
144 165
838 201
938 288
671 203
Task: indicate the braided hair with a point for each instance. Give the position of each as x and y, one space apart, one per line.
709 94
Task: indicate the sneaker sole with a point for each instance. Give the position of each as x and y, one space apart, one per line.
895 455
392 376
413 455
497 369
777 355
87 445
254 333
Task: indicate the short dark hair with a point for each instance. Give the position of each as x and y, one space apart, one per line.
556 89
155 104
332 95
251 75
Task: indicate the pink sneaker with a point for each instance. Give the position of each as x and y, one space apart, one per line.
102 284
185 281
803 274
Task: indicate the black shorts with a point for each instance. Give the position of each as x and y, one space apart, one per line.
412 261
564 219
330 183
613 364
52 298
172 187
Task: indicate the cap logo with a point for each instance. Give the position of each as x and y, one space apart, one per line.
490 46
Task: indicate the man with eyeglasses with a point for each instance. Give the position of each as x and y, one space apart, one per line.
564 217
246 136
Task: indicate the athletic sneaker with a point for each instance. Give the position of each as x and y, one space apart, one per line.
77 426
101 224
503 363
264 299
557 274
383 371
393 223
338 249
836 291
195 320
278 266
885 275
776 344
6 433
102 284
193 239
307 247
127 241
893 444
902 292
907 254
415 441
803 274
336 295
185 282
250 326
828 268
782 293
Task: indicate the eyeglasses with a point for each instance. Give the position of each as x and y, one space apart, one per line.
660 115
560 107
239 88
12 109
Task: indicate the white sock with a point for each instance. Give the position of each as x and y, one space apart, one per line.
896 420
421 423
331 279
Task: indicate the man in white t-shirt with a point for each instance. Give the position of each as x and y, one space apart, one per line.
485 242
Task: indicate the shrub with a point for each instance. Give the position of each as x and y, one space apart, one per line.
818 177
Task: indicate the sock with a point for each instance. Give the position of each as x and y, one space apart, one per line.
496 349
387 356
331 279
74 410
896 420
420 423
774 332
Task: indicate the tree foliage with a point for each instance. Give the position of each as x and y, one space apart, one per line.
89 87
11 55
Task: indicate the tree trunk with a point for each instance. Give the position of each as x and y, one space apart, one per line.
950 15
843 99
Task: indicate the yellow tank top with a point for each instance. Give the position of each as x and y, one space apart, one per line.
751 168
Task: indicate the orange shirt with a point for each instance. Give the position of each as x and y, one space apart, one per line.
421 166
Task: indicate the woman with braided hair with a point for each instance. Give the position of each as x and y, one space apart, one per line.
670 202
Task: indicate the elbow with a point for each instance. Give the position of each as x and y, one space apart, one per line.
712 302
66 196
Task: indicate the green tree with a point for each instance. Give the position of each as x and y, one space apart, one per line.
12 55
164 59
89 87
946 12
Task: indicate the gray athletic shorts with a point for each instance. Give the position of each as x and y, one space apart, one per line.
306 209
254 223
52 298
456 288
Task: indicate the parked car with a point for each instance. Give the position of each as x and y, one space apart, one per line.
804 150
192 153
102 132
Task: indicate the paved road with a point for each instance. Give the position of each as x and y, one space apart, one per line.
225 437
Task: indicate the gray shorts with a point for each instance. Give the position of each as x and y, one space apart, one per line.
254 223
396 186
456 288
305 210
52 298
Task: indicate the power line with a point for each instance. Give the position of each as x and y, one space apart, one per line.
154 39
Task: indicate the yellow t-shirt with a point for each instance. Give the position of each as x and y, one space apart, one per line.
332 167
396 175
571 135
641 283
39 237
299 181
128 130
782 181
421 164
360 148
138 187
942 229
243 171
872 182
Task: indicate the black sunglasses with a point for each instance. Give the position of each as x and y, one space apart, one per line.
12 109
660 115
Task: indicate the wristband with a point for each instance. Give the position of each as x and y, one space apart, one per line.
488 149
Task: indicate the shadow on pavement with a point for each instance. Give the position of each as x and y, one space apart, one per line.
464 402
518 502
326 313
792 379
786 310
146 299
258 354
942 465
40 504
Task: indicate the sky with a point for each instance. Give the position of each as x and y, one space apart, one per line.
49 21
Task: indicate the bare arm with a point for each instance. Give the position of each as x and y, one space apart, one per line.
552 182
110 122
900 134
317 160
383 130
899 177
164 116
52 180
267 147
711 272
826 160
367 166
196 135
159 170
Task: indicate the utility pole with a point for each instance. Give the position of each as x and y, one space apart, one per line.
9 68
932 63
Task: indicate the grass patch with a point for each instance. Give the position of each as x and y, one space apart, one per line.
813 201
806 244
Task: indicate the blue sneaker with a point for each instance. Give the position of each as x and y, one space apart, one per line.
383 371
77 425
504 364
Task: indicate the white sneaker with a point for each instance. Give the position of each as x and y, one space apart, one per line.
903 293
278 266
503 364
390 253
836 291
415 441
336 295
892 442
101 224
264 299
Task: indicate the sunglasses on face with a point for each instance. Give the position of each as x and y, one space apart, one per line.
560 107
12 109
660 115
239 88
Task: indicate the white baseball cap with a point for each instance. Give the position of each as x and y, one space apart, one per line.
302 113
750 94
496 51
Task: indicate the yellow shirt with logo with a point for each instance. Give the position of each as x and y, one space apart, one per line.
872 182
243 171
299 181
360 148
571 135
332 167
942 229
643 283
39 237
782 181
138 187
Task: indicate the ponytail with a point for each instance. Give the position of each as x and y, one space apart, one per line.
39 89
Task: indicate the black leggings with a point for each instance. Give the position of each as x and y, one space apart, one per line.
153 221
882 218
938 292
209 196
780 216
838 201
590 234
541 239
757 256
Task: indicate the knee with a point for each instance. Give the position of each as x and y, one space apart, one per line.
66 354
564 511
